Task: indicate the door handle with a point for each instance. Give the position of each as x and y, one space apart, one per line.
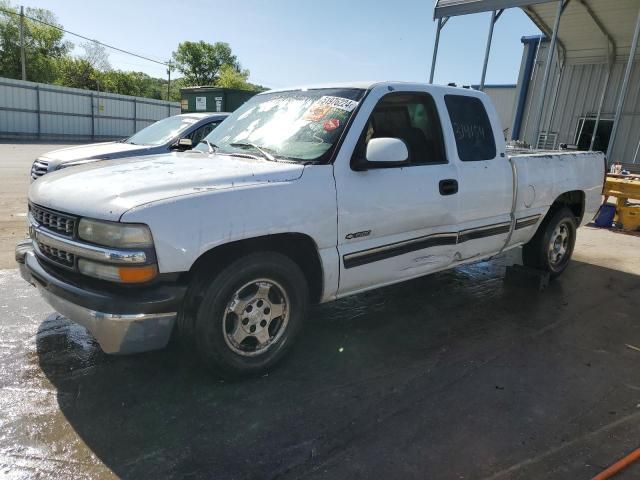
448 186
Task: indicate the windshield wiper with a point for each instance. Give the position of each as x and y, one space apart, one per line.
260 149
212 146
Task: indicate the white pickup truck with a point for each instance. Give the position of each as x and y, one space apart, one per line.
302 195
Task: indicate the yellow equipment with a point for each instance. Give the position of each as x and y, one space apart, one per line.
624 188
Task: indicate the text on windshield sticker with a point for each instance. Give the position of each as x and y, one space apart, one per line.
337 102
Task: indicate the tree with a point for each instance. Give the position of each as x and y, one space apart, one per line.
76 73
96 55
200 62
229 77
44 44
176 85
48 60
137 84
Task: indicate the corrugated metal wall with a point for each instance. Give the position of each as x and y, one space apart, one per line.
504 99
38 110
575 93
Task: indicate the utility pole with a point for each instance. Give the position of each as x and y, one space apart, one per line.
22 56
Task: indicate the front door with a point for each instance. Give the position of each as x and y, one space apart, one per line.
398 222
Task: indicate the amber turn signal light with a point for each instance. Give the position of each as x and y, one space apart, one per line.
137 274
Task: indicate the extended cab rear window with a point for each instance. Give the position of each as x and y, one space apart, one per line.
471 128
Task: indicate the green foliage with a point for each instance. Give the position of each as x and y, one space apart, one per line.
229 77
48 61
96 55
137 84
44 45
176 85
76 73
200 62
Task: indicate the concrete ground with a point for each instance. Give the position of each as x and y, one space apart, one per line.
452 376
15 171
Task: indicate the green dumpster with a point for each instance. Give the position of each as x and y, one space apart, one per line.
213 99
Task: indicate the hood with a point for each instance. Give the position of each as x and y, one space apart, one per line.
106 190
93 150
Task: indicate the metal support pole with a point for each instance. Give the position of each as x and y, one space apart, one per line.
532 84
555 96
547 70
623 89
441 23
600 105
135 115
97 115
93 115
38 109
169 82
23 60
494 18
635 155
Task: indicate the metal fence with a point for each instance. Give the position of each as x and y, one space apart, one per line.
37 110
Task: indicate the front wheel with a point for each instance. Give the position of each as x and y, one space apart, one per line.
250 313
551 247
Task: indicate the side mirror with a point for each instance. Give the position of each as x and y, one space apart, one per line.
185 143
386 152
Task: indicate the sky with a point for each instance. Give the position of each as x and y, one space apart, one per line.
288 42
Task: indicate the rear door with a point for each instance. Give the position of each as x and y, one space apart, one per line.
396 222
484 174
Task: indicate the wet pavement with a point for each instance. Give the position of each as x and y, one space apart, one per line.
452 376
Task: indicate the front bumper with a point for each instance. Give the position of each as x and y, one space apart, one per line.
120 324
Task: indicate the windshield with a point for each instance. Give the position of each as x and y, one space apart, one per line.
162 131
300 125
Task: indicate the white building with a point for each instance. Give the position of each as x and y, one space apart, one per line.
589 77
504 99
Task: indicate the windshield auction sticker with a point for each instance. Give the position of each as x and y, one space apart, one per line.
337 102
321 108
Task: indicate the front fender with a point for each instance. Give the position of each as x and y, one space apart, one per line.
185 227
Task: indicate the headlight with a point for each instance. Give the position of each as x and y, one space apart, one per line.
114 234
117 273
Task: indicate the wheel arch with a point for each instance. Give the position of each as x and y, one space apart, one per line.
574 200
299 247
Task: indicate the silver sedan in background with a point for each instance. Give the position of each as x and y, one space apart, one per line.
179 132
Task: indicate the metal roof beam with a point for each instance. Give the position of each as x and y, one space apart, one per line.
452 8
623 89
600 25
562 4
544 28
494 18
441 23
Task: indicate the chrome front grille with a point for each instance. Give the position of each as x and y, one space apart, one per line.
54 221
58 256
39 168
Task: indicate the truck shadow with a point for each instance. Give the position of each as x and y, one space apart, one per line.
392 383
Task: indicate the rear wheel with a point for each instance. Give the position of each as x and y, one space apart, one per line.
551 247
250 313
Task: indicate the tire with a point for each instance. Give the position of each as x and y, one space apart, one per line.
551 247
249 314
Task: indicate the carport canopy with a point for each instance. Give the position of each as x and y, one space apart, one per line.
592 31
613 20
